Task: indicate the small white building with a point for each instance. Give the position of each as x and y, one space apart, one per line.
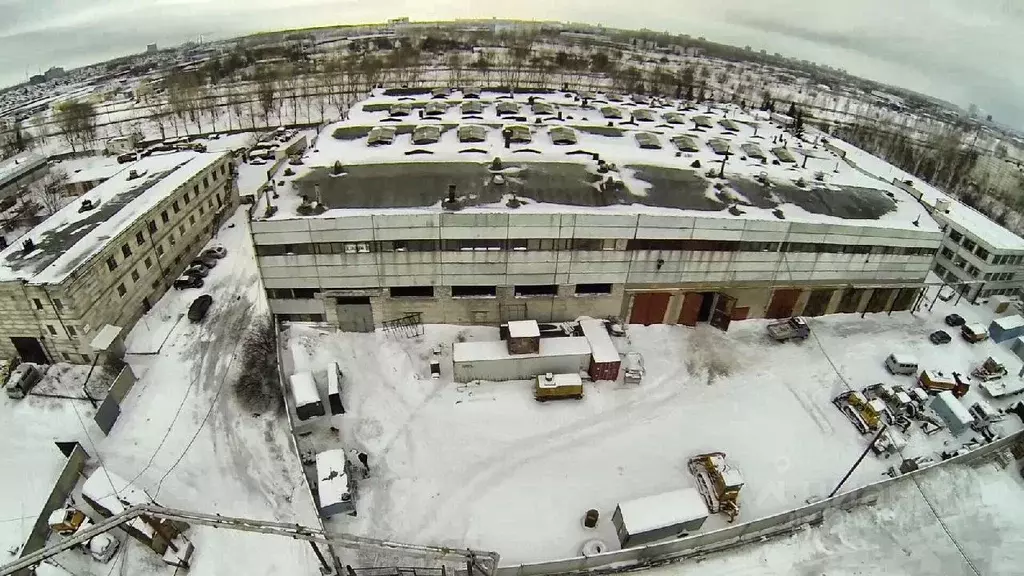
122 144
333 488
953 412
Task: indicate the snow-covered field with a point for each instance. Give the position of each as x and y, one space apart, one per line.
483 465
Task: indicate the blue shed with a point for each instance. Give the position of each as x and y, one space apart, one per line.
1006 328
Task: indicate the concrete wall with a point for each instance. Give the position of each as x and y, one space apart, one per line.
62 489
747 532
68 313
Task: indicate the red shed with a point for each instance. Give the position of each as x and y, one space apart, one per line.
604 357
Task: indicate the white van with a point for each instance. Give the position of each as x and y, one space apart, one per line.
901 364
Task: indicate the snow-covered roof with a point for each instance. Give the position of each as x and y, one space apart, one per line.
497 350
93 173
304 389
601 345
332 480
662 510
106 336
559 380
552 177
903 358
333 378
116 495
523 329
1009 322
17 166
69 238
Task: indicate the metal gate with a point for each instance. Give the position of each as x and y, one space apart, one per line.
817 303
354 314
649 308
30 349
690 309
722 314
879 298
782 304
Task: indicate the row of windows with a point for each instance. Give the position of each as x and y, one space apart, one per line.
971 246
587 244
1005 259
1000 292
1000 277
523 291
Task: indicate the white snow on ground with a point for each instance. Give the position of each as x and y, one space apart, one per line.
898 536
483 465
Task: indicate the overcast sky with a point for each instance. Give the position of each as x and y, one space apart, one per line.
961 50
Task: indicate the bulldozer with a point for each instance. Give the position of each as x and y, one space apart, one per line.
718 483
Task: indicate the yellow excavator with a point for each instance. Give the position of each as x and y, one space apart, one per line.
718 483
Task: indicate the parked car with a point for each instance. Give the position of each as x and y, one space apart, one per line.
215 251
789 329
197 311
197 270
188 281
24 377
206 261
258 161
955 320
940 337
127 157
898 363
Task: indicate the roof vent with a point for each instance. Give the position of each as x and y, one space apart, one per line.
86 206
942 205
28 246
133 174
451 202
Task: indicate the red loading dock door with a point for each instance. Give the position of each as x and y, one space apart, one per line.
691 308
722 314
782 304
649 308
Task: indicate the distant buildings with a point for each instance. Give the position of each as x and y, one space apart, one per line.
151 49
54 72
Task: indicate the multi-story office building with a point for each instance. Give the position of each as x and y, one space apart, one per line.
105 258
603 210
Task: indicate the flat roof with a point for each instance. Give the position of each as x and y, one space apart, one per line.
601 345
69 238
956 408
523 329
1009 322
662 510
304 389
498 350
546 175
18 165
93 173
332 481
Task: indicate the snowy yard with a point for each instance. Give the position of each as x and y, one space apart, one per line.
485 466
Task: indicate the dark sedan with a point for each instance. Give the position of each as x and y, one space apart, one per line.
954 320
197 311
939 337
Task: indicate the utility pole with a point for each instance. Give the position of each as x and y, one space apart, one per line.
859 460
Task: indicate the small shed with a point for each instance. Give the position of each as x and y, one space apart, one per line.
999 303
472 107
952 411
685 143
647 141
604 361
1018 347
523 337
334 376
668 515
1006 328
492 361
332 480
507 107
674 118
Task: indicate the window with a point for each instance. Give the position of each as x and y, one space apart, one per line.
164 217
52 330
202 210
58 304
185 197
72 331
149 262
38 303
126 250
159 249
1010 276
86 359
152 226
305 293
175 207
65 356
210 203
206 182
121 290
195 190
192 219
139 238
969 244
135 275
981 253
587 244
111 264
474 291
181 229
988 276
592 289
536 290
412 292
946 253
955 236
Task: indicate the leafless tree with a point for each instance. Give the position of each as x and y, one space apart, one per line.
268 95
52 190
455 66
76 122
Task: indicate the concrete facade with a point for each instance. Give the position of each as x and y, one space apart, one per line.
490 267
121 281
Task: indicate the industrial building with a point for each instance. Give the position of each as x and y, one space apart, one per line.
17 172
553 212
105 258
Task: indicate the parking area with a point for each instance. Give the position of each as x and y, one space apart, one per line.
482 464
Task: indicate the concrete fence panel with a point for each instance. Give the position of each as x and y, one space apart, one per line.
110 409
59 495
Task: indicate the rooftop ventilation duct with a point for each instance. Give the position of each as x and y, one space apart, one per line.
28 246
86 206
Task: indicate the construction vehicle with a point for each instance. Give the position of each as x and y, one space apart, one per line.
991 369
935 382
899 406
865 414
717 482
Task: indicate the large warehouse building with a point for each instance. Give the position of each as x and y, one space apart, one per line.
613 209
105 258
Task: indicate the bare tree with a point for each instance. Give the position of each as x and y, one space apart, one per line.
76 121
455 66
267 94
52 190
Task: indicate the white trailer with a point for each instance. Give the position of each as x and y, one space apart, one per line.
668 515
333 489
308 403
492 361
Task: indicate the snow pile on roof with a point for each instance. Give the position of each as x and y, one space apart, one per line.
560 381
662 510
100 172
115 494
1009 322
304 389
332 480
13 168
601 344
523 329
497 350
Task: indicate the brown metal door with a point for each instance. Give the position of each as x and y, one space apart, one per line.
691 308
649 308
817 303
782 304
722 315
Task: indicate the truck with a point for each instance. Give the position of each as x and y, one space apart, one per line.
789 329
991 369
668 515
